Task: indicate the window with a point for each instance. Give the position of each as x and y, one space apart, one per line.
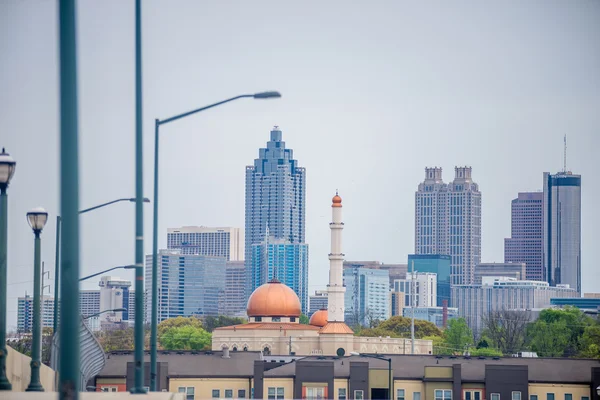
252 393
275 393
189 392
445 394
568 396
276 319
400 394
533 397
550 396
585 398
495 396
358 395
315 393
292 319
241 394
216 393
342 394
416 395
517 396
257 319
228 394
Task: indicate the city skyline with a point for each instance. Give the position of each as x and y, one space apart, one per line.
365 117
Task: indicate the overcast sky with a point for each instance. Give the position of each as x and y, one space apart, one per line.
372 93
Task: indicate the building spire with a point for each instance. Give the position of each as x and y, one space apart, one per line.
565 157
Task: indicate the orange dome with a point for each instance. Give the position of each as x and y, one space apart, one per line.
319 318
274 299
337 201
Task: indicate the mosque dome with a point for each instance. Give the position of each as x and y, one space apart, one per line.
274 299
319 318
337 201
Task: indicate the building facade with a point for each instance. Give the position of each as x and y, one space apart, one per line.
367 295
235 289
275 201
436 315
114 293
89 302
25 313
562 229
420 287
317 302
525 244
448 221
207 241
474 302
189 284
397 303
395 271
517 271
438 264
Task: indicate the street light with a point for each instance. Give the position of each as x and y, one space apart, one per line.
37 219
380 357
598 390
7 170
105 311
107 270
154 315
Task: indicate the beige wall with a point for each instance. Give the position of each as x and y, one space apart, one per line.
430 387
18 372
203 387
438 372
339 384
559 390
286 383
410 387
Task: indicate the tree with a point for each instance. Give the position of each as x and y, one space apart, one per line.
574 320
458 335
304 319
590 342
506 329
185 338
23 345
439 345
485 352
211 323
116 339
549 339
177 322
400 327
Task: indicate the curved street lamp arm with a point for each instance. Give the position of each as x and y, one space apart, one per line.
105 311
108 270
165 121
102 205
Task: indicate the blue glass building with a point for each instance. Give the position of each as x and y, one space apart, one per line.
367 295
438 264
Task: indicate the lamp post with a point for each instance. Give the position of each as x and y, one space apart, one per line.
154 315
379 357
7 170
37 219
105 311
107 270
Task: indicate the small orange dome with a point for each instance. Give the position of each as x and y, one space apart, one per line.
337 201
274 299
319 318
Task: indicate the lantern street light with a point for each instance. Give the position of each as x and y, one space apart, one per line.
7 170
37 219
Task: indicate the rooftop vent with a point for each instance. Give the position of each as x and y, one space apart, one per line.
496 358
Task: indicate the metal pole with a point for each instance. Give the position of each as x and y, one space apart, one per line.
4 382
139 211
412 308
69 372
36 339
390 394
56 274
154 321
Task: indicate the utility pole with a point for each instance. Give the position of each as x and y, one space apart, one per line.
412 309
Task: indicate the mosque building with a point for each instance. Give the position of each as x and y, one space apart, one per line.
274 310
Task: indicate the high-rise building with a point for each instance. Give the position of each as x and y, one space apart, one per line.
114 294
525 244
318 301
189 284
25 313
206 241
562 229
235 289
89 302
420 286
438 264
397 303
287 262
507 270
448 221
367 295
396 271
275 201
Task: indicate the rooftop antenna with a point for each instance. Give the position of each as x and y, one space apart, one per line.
565 157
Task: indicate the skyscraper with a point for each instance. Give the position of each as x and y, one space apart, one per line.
448 221
275 202
437 264
562 229
206 241
25 313
525 244
367 295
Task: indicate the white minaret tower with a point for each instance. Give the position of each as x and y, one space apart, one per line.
336 289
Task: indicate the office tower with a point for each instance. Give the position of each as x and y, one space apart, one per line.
438 264
275 201
189 284
25 313
562 229
506 270
474 302
396 271
448 221
367 295
525 244
235 287
114 293
279 259
317 302
89 302
420 286
216 242
397 303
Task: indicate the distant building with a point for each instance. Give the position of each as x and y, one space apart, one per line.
438 264
89 302
25 313
216 242
189 284
435 315
318 301
591 295
474 302
562 229
583 303
525 244
114 293
420 286
396 271
397 303
235 287
367 295
448 221
509 270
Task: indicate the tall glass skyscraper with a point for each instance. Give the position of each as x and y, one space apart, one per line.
367 295
275 207
562 229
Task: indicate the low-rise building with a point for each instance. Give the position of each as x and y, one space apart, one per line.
435 315
508 270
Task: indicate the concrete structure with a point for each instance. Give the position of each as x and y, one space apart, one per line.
395 271
438 264
448 221
235 289
282 260
367 295
517 271
189 284
562 229
397 303
525 244
318 301
275 201
474 302
246 375
114 293
208 241
25 313
435 315
420 286
18 372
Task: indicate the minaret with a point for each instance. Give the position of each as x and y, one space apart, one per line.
336 289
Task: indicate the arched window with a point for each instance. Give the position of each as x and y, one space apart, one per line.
266 351
234 348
